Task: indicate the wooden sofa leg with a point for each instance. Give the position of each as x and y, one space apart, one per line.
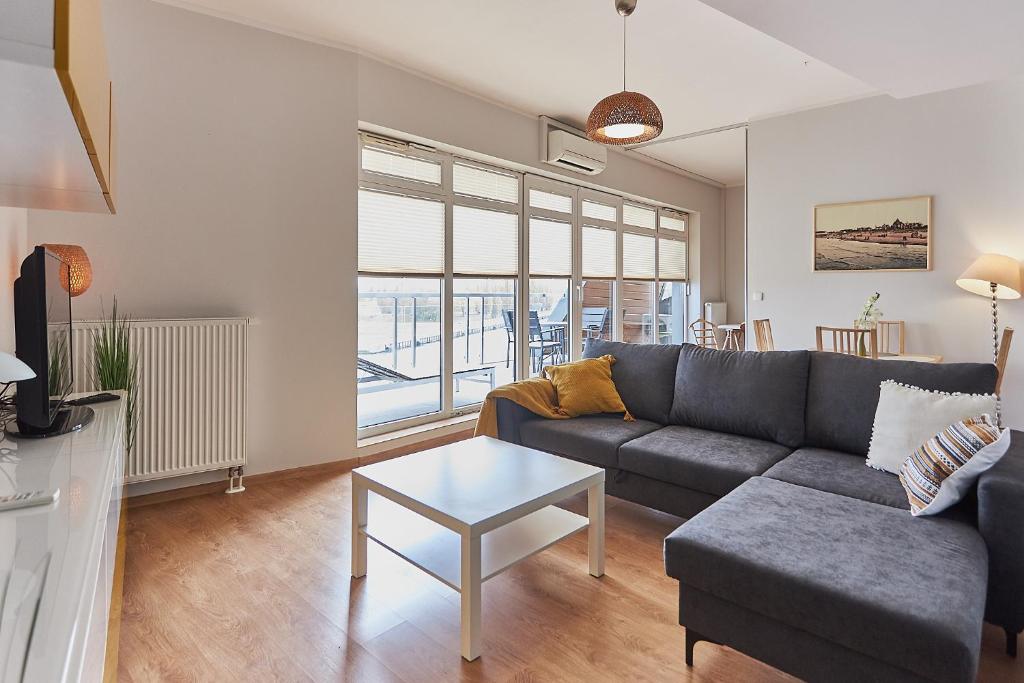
1011 642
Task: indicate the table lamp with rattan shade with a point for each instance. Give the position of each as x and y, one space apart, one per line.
77 278
997 277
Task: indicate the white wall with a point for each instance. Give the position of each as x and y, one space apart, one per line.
238 197
964 147
13 248
735 252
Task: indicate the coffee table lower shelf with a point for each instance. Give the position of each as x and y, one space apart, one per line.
437 550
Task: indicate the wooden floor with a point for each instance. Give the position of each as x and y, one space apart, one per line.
256 587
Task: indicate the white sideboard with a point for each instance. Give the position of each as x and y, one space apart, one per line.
58 562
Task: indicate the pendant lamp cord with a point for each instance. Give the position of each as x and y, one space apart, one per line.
623 53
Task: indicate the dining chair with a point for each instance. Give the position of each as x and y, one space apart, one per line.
763 335
704 334
847 340
544 343
1004 352
509 317
890 331
595 319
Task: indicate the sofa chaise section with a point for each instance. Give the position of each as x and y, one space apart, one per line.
891 597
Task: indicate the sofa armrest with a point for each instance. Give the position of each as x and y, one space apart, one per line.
510 417
1001 523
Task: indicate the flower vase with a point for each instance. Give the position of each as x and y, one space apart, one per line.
862 346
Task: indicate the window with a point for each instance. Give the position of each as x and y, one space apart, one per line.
474 181
638 216
398 373
408 166
672 275
484 356
471 276
400 234
485 262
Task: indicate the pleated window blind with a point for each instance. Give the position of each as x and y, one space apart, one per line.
637 257
640 216
672 220
478 182
671 259
399 234
485 242
598 253
604 212
551 201
550 247
401 166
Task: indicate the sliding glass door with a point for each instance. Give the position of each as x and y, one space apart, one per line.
471 276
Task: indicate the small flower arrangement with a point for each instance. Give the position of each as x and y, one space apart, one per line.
870 314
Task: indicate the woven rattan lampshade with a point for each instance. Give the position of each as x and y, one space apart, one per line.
627 117
624 118
78 276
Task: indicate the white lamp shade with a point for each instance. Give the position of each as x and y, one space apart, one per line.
988 268
13 370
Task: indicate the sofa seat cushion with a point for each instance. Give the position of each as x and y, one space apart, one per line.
754 394
904 590
591 438
644 374
841 473
707 461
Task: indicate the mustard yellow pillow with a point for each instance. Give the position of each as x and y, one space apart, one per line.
585 387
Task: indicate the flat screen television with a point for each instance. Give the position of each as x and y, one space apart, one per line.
42 333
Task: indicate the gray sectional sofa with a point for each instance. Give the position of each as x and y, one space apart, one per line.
794 551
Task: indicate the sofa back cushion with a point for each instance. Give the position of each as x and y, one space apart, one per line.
842 393
644 374
742 392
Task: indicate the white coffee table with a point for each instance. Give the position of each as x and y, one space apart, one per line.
467 511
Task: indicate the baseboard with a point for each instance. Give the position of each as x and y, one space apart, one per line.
116 599
320 469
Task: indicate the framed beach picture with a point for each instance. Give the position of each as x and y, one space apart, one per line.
881 234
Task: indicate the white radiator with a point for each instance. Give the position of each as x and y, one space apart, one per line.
192 386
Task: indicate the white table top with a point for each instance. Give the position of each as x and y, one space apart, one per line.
473 482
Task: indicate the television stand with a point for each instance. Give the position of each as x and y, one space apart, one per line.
69 419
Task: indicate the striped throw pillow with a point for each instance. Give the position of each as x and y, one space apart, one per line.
944 468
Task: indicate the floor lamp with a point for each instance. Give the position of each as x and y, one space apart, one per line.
997 277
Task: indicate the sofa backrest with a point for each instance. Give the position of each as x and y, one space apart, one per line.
644 375
742 392
842 393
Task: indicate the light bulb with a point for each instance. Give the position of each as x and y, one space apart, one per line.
623 130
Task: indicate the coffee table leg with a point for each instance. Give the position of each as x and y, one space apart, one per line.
470 589
595 531
359 499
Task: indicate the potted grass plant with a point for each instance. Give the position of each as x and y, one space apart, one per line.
117 367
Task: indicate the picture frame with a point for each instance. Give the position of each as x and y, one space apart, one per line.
875 235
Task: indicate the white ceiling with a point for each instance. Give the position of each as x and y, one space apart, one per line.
704 69
904 48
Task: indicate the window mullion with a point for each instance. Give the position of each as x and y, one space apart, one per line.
448 301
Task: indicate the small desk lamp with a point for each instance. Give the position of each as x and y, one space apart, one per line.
12 370
994 276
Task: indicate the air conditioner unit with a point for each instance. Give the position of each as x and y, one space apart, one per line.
575 153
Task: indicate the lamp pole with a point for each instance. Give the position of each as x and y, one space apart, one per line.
995 323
